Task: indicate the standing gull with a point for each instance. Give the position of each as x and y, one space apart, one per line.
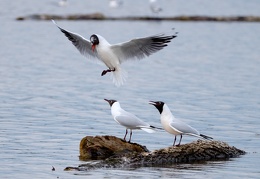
113 55
128 120
173 125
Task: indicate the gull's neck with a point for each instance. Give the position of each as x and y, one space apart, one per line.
166 115
115 108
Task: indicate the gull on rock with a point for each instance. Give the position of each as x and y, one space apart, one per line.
128 120
173 125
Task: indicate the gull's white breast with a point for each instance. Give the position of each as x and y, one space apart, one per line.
106 54
166 119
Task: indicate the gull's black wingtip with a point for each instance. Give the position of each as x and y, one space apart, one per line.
174 36
206 137
156 127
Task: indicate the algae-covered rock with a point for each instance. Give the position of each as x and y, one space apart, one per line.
116 153
101 147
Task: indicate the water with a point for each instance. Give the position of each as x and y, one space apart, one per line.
51 96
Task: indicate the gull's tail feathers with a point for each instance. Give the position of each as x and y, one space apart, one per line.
199 136
119 76
149 130
206 137
156 127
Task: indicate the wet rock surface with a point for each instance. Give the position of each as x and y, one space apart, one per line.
119 154
102 147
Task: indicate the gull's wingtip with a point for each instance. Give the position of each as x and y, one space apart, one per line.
53 21
206 137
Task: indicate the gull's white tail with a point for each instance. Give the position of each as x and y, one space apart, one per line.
119 76
149 130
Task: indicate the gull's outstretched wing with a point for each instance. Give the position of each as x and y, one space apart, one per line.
141 47
82 44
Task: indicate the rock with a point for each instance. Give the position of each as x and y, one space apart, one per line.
93 16
102 147
200 150
118 153
100 16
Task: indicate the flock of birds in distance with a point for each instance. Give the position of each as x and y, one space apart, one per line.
154 7
112 55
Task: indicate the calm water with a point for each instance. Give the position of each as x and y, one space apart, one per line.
51 96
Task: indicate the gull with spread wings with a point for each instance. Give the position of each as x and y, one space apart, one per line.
113 55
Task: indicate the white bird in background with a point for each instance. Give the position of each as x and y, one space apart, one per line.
154 6
113 55
63 3
115 3
173 125
128 120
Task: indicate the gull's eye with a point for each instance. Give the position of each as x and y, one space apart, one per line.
92 39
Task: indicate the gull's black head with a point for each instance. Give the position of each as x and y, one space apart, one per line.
94 41
110 101
158 105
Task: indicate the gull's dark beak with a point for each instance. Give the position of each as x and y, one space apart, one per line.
110 101
152 102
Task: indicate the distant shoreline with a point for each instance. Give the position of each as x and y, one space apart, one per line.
100 16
